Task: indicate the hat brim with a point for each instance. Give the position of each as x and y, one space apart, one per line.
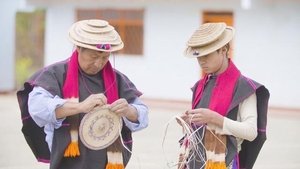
100 128
113 48
226 37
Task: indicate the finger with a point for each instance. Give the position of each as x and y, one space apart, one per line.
193 111
186 112
102 97
114 107
118 107
121 112
183 116
119 104
99 102
198 120
194 118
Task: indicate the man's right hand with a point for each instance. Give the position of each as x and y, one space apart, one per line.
92 101
71 108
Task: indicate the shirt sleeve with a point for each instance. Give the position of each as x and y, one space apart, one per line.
42 105
246 125
143 120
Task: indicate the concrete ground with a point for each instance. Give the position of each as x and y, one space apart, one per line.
280 150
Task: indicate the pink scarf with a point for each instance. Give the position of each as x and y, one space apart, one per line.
221 97
71 92
70 89
222 91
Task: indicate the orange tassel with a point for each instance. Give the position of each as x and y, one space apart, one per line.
72 150
215 165
114 166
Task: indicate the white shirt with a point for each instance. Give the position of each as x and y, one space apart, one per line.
246 125
42 105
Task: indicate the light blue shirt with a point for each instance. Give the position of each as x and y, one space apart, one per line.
42 105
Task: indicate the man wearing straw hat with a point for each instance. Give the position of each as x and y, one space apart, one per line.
228 111
60 95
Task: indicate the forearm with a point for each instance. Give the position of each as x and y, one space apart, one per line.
140 116
246 125
68 109
206 116
42 105
241 130
217 120
132 114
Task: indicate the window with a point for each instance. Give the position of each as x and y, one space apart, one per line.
219 16
128 22
212 16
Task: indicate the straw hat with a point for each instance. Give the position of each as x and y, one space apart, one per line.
95 34
100 128
208 38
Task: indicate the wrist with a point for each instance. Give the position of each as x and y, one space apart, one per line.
219 120
79 107
132 114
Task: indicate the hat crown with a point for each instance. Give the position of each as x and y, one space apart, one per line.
96 26
94 33
97 23
208 38
206 34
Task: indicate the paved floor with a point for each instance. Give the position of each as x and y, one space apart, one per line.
281 150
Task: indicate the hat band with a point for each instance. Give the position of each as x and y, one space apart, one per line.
196 53
103 46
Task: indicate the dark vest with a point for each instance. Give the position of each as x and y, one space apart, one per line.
52 79
243 89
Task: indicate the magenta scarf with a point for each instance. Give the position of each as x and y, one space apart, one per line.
222 92
71 89
71 92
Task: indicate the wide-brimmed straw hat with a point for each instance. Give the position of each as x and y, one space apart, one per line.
208 38
95 34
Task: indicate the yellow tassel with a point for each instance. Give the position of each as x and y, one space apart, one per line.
114 166
221 165
215 165
72 150
208 164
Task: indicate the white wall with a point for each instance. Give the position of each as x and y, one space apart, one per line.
267 49
266 46
58 21
7 44
164 72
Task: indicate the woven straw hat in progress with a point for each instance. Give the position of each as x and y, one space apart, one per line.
208 38
95 34
100 128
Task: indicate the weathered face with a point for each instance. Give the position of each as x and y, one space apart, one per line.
215 62
91 61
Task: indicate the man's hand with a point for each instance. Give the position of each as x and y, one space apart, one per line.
205 116
92 101
71 108
123 109
184 116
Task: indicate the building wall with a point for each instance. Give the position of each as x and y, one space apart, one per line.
265 47
7 44
57 46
